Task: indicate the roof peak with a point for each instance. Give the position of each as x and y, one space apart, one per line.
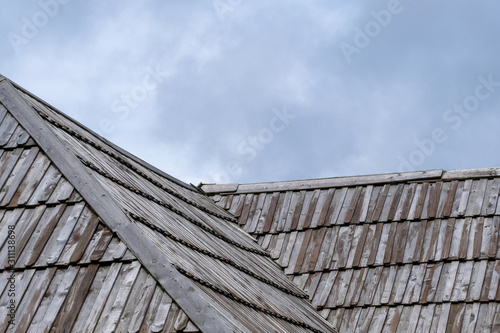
319 183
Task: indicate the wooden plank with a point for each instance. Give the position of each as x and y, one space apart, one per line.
455 318
409 319
30 181
446 282
17 175
305 209
415 281
470 317
414 242
60 235
303 251
246 209
477 239
335 206
464 199
349 320
111 318
378 320
326 251
355 287
476 281
357 243
312 211
496 321
491 197
80 237
433 200
297 209
383 248
425 319
400 240
8 161
254 213
380 203
470 173
338 294
386 282
400 284
25 226
342 247
238 208
456 239
462 281
285 257
365 319
392 319
495 281
396 202
443 197
90 322
430 282
294 253
331 182
476 198
32 298
268 213
445 229
40 235
442 312
490 237
448 206
414 202
417 213
486 317
57 292
336 317
62 192
283 211
355 201
313 254
7 128
370 286
324 203
46 186
366 203
462 250
276 249
75 299
312 284
324 289
369 249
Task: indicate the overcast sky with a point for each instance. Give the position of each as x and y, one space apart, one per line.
250 91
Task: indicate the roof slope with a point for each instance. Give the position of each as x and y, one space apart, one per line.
68 270
411 252
176 238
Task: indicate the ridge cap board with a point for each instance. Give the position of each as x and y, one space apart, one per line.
319 183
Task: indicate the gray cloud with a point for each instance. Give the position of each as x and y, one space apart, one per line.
186 86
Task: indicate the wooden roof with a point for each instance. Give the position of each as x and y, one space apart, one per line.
105 242
406 252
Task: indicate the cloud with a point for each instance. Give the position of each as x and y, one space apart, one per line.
219 78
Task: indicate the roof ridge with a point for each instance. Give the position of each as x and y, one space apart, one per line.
136 159
350 181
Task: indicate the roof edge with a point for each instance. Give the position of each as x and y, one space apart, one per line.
104 140
320 183
184 292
